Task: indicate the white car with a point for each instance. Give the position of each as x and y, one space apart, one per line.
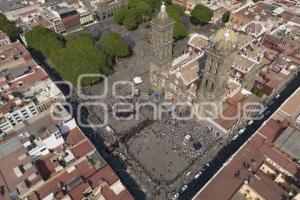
242 131
122 156
277 96
175 196
250 122
198 175
109 129
188 173
235 137
184 188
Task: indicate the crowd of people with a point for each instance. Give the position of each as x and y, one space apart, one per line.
186 136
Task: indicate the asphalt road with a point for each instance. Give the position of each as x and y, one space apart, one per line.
230 149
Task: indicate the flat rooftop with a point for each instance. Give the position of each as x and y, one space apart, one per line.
10 5
288 142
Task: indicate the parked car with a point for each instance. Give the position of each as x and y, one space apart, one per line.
250 122
175 196
184 188
198 175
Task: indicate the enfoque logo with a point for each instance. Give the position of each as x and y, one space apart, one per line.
127 108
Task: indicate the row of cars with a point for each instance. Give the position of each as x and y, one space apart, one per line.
184 187
263 113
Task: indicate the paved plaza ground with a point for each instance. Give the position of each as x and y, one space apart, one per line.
168 146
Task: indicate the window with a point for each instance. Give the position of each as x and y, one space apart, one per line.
20 84
259 86
209 68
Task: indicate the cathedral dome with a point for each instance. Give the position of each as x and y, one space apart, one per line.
224 40
255 27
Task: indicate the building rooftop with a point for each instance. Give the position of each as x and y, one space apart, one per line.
264 10
16 167
247 166
198 41
46 155
10 5
242 62
288 142
3 35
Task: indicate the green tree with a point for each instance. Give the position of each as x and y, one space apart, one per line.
133 3
201 14
120 14
180 31
114 45
44 41
143 8
226 16
131 20
176 12
81 56
8 27
72 57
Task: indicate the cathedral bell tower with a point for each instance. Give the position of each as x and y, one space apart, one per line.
161 46
216 74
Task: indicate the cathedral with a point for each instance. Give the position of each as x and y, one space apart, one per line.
210 70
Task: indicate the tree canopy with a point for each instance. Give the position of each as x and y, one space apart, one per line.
81 56
44 40
143 9
201 14
120 14
180 31
133 3
131 20
114 45
72 56
177 13
139 11
226 16
8 27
